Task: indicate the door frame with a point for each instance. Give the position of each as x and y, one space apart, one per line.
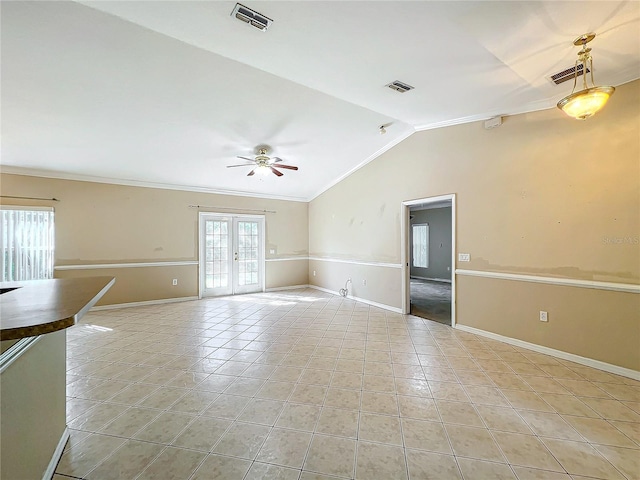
405 254
201 246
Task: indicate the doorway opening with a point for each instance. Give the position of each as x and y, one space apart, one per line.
231 254
428 281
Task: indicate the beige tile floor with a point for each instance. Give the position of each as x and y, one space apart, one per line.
304 385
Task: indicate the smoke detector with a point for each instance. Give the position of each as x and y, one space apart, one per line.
399 86
251 17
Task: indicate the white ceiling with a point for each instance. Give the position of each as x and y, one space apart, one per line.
169 92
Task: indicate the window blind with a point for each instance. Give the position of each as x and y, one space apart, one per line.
27 243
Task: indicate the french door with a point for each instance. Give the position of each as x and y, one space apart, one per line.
231 254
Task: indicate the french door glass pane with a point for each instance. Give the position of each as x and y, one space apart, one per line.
247 253
216 254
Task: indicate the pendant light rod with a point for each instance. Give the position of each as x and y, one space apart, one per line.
590 100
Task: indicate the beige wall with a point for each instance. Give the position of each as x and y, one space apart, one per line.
598 324
100 223
287 273
541 195
383 283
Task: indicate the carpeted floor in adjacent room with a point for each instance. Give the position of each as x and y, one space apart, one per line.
431 300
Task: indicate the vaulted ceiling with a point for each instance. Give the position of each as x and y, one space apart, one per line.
169 92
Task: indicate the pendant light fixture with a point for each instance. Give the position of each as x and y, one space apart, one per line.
590 100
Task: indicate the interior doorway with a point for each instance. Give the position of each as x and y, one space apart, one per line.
231 254
428 258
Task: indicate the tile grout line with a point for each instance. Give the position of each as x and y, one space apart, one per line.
293 323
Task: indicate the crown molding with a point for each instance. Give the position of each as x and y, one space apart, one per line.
532 107
370 158
11 170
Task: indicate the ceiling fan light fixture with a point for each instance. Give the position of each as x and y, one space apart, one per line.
590 100
262 164
263 170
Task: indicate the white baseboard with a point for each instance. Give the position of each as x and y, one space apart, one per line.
57 453
146 302
442 280
292 287
358 299
589 362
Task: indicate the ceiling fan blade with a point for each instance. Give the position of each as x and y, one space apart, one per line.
276 172
275 159
246 158
243 165
289 167
252 172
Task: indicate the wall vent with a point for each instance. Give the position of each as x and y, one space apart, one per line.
567 74
399 86
251 17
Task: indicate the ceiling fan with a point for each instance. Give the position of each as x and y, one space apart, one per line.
262 164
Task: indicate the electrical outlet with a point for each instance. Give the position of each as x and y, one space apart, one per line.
272 251
544 316
464 257
174 282
364 283
314 273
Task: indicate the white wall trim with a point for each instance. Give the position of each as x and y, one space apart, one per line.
356 262
125 265
16 350
160 301
569 282
292 287
57 453
589 362
358 299
10 170
370 158
285 259
531 107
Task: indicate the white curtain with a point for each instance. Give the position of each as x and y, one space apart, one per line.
27 243
421 245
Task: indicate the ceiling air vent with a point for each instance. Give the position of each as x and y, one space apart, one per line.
567 74
251 17
399 86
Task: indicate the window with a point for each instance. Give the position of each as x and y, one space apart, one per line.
420 235
27 243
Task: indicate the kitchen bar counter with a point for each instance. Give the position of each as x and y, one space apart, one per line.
33 319
34 308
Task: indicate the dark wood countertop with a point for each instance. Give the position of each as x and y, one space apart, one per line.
44 306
